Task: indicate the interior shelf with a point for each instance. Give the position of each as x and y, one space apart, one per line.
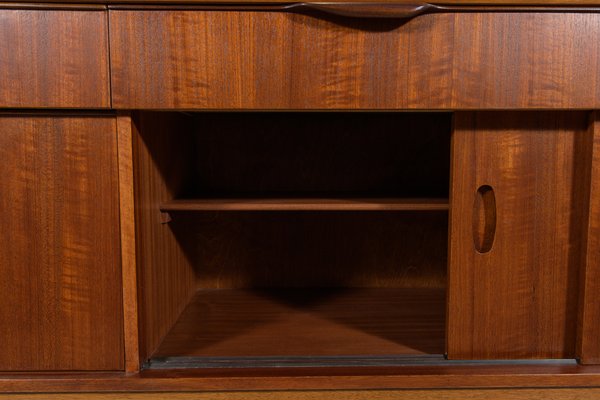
308 204
316 323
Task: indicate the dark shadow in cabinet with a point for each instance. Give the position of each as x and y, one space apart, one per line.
353 266
343 154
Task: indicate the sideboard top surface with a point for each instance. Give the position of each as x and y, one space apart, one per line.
540 3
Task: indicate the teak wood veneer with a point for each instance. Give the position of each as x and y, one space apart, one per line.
54 59
299 198
60 281
278 60
533 166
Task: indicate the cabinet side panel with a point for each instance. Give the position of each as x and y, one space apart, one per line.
54 59
589 323
61 303
166 277
519 299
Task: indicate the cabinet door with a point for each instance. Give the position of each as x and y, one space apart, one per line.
517 212
61 306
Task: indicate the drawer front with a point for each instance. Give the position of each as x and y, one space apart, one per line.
230 59
54 59
277 60
60 272
506 60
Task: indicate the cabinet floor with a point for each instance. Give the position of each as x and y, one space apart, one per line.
309 322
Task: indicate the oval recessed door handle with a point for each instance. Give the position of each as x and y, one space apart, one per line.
484 219
366 9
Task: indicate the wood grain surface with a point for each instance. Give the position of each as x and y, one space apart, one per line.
589 318
166 279
295 155
128 242
326 322
274 60
54 59
314 249
339 378
519 300
61 307
503 60
452 394
226 60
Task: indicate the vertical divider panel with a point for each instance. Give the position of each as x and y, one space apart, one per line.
127 224
588 343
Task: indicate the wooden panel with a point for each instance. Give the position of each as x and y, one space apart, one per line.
60 262
315 249
128 261
548 375
519 300
505 60
225 60
166 279
326 322
423 394
54 59
589 319
276 60
239 154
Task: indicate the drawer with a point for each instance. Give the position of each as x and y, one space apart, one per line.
54 59
226 59
237 59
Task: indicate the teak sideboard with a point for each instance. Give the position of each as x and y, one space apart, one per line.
207 196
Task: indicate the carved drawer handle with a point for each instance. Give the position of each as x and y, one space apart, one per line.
484 219
366 10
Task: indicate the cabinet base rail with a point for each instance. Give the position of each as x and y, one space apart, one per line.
337 361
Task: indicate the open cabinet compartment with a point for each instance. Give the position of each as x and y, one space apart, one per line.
291 238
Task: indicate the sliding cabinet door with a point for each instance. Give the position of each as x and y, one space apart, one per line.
61 306
518 200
